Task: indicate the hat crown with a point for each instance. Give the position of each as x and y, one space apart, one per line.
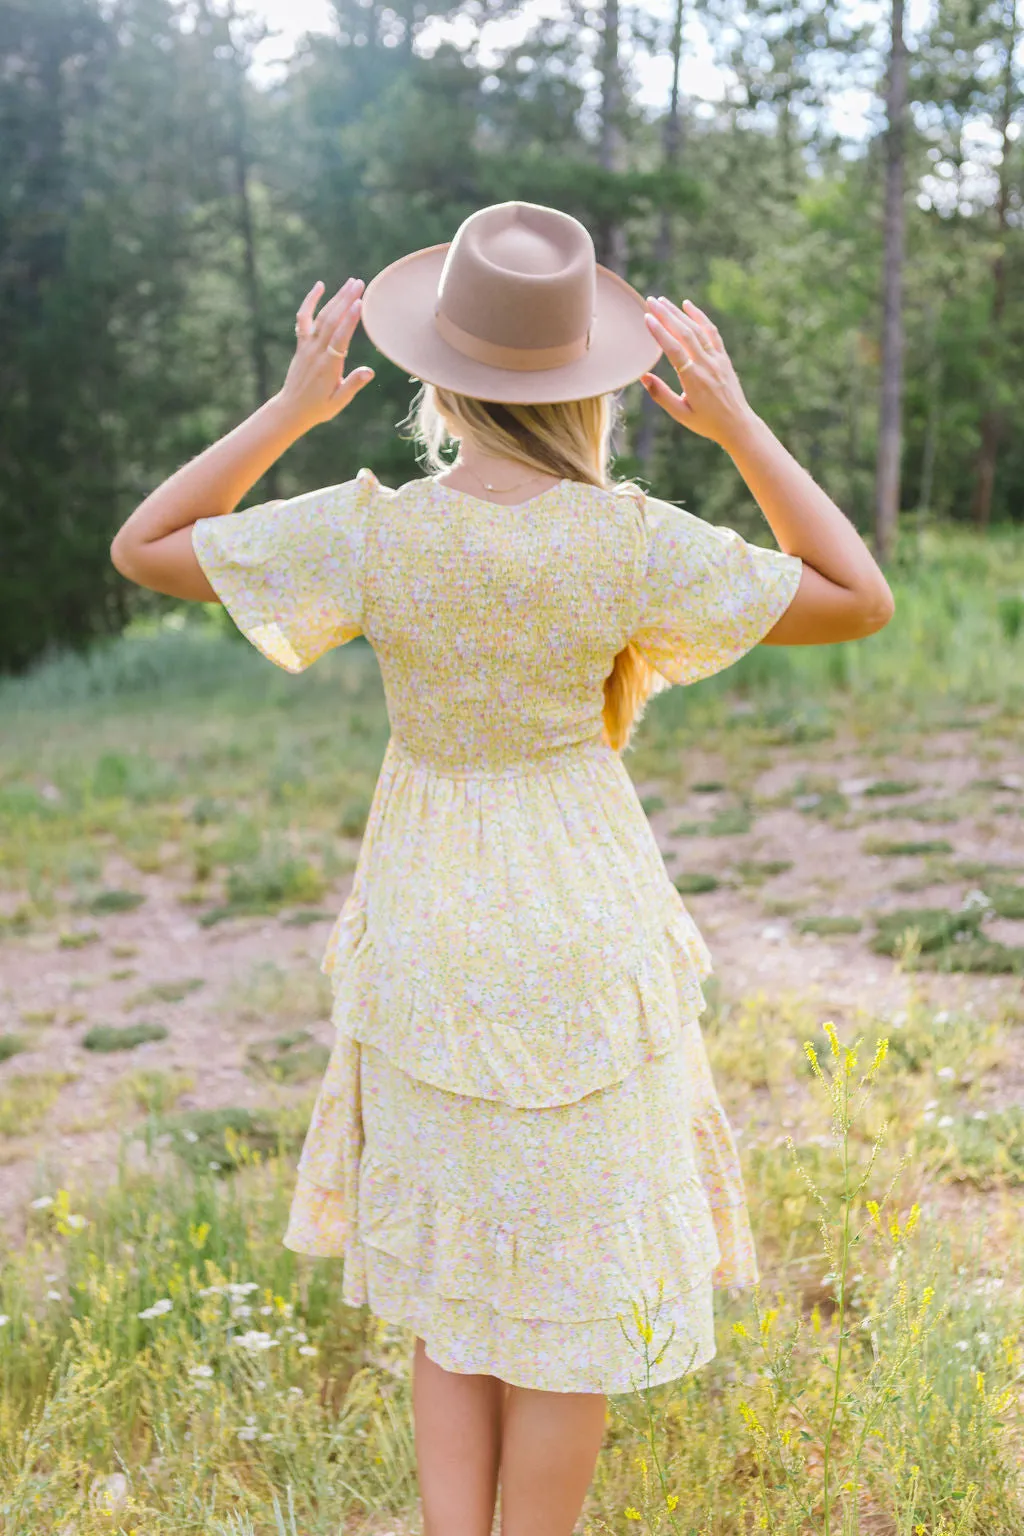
519 276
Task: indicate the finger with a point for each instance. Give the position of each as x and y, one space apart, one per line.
329 315
685 324
304 314
680 325
345 328
350 386
678 349
697 317
661 395
708 324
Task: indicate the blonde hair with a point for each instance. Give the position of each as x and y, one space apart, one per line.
571 439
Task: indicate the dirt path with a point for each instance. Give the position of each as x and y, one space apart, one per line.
254 978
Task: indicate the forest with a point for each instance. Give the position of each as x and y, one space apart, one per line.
164 209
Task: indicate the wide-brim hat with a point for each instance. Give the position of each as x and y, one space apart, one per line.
515 309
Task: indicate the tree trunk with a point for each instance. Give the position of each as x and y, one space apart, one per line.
649 412
887 489
611 244
991 421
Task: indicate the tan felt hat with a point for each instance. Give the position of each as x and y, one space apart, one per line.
515 309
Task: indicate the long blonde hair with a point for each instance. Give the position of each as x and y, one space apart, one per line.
571 439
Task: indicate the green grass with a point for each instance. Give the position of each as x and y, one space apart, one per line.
291 1058
26 1099
10 1045
886 848
828 925
695 884
111 1037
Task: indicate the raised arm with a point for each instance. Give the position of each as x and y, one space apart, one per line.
843 594
154 547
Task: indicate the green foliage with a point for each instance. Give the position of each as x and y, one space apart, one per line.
113 1037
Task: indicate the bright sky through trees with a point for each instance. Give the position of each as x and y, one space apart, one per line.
700 78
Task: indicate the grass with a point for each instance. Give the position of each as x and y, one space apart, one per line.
185 1344
695 883
291 1058
828 924
27 1097
112 1037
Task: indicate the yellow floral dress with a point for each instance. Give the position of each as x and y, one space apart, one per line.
517 1141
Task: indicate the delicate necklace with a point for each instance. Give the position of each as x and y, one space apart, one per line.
501 489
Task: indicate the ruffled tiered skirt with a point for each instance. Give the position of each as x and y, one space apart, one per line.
517 1146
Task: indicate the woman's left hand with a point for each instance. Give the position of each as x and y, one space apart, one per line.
316 387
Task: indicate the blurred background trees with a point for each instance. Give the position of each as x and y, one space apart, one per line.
163 212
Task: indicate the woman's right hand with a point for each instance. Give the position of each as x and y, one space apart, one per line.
711 401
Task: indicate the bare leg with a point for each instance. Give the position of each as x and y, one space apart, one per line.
458 1447
550 1442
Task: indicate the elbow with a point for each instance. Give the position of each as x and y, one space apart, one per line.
878 609
120 558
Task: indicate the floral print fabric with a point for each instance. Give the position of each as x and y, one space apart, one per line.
517 1137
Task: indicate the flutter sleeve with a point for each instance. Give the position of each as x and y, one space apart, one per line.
707 595
289 572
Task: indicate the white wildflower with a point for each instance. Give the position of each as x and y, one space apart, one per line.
300 1338
245 1289
158 1309
980 1114
247 1432
4 1319
53 1296
42 1202
201 1370
961 1344
266 1311
75 1220
255 1340
190 1136
241 1310
296 1392
946 1072
945 1120
308 1349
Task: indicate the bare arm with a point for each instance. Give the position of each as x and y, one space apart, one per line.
154 547
843 594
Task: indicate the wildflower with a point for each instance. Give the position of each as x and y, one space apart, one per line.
212 1290
201 1370
247 1432
157 1309
42 1202
260 1386
245 1289
266 1311
671 1500
4 1319
632 1514
299 1338
255 1340
77 1221
740 1332
945 1072
53 1296
980 1114
946 1120
308 1349
190 1136
296 1392
241 1310
961 1344
983 1338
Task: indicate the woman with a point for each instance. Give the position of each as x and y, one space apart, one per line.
517 1145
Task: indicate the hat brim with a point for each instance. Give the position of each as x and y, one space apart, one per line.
398 317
